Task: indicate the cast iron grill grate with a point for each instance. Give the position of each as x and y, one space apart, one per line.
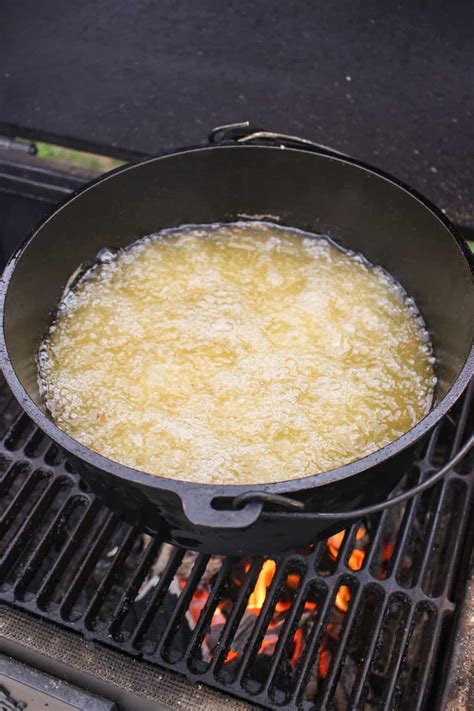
361 620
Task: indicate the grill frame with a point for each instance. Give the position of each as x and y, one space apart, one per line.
25 446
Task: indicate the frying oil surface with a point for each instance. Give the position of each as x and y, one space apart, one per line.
242 353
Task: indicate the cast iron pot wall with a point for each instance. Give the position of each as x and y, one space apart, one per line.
357 206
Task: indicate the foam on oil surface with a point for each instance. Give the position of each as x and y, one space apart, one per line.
242 353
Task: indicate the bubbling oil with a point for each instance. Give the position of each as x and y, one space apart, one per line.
236 353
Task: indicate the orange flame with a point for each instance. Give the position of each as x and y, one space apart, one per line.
334 543
357 556
257 598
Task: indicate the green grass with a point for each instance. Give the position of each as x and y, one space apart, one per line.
97 163
68 155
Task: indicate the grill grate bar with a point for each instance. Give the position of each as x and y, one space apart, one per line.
361 680
237 611
19 541
462 521
263 619
407 632
6 479
428 665
183 600
55 529
310 658
131 591
439 495
403 539
288 629
109 578
432 442
64 557
19 422
15 505
157 597
209 607
95 594
88 565
375 542
335 668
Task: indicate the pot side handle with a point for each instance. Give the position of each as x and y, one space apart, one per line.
245 508
199 511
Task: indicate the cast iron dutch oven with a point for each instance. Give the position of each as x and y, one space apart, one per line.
247 174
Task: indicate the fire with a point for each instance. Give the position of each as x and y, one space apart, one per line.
282 606
343 598
356 559
324 663
334 543
298 646
257 598
357 556
197 603
293 580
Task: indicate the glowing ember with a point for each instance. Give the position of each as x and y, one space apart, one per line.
298 646
334 543
282 606
357 556
343 598
293 580
324 663
197 603
289 593
356 559
231 655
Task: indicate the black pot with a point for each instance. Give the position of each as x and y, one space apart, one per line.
358 206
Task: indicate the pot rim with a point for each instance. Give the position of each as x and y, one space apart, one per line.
209 491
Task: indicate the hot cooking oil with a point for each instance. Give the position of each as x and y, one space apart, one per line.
236 353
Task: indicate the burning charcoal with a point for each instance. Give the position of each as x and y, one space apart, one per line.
346 682
243 633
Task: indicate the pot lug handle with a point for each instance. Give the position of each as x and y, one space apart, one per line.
395 500
242 133
199 511
246 509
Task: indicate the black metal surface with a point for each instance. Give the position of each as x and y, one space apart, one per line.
22 687
362 208
387 82
426 572
29 188
63 556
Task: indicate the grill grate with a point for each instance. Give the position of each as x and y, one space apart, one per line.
360 621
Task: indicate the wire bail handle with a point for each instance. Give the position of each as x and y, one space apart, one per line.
287 502
242 133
